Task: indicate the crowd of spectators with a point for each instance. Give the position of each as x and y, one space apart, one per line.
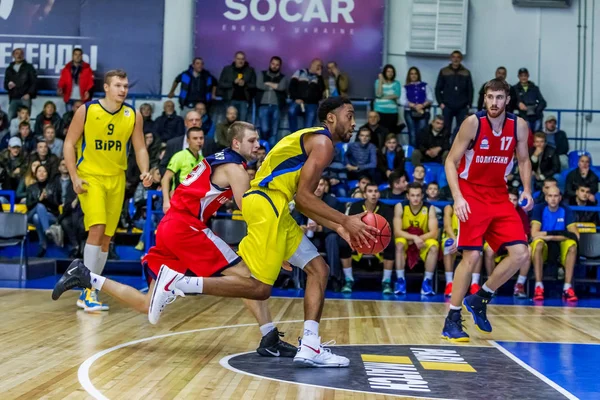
372 167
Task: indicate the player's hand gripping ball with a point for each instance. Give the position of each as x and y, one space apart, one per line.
383 237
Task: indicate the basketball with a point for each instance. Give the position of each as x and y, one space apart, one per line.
383 238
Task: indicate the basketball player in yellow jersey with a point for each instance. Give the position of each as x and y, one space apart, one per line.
95 152
291 170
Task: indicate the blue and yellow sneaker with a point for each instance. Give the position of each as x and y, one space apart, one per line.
427 287
477 306
453 328
348 286
81 299
91 302
400 286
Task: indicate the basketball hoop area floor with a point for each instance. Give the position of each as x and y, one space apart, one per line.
203 347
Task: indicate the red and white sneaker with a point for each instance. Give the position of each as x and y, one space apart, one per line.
164 292
448 291
569 295
519 291
474 288
538 294
311 353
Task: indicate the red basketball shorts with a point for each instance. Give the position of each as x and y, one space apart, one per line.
493 219
186 245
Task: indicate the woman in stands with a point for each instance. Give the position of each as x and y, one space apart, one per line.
390 157
27 180
43 200
387 93
416 99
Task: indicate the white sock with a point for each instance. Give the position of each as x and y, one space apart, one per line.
91 254
475 278
449 277
190 284
102 257
97 281
455 307
348 274
400 273
521 279
428 275
266 328
487 289
311 328
566 286
539 284
387 275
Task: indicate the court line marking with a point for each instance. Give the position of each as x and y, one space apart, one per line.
532 341
532 370
225 364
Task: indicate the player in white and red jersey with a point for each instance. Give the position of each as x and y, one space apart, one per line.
185 244
480 159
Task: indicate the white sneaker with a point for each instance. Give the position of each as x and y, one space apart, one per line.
319 356
164 292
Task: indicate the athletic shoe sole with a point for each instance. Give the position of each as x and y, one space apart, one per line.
456 340
305 362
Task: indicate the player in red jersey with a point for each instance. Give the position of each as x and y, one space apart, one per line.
187 245
480 159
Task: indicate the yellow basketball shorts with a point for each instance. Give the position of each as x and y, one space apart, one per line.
565 245
103 201
273 236
429 243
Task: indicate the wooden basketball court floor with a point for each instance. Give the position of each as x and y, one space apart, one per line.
49 350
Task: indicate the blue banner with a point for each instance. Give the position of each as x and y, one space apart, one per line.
112 34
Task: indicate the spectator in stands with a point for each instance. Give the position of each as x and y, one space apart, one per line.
378 131
27 180
361 157
231 116
140 201
197 86
363 181
432 192
28 142
67 118
54 144
206 122
530 101
306 91
553 224
325 239
336 173
13 162
261 153
22 116
63 180
371 204
153 146
582 175
337 82
391 157
181 164
71 219
419 175
434 143
398 186
557 139
48 116
46 158
416 98
544 160
416 232
271 99
146 110
582 199
549 182
169 125
4 124
20 80
43 200
454 92
387 93
76 80
511 106
237 84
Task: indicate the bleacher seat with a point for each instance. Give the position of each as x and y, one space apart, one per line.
384 186
408 150
13 232
574 157
19 208
535 195
589 249
597 198
352 184
432 172
409 168
563 178
442 180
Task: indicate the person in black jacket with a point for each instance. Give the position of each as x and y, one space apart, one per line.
511 106
379 132
434 143
149 124
307 88
48 116
197 86
584 198
558 139
582 175
454 91
237 84
271 99
46 158
43 200
71 219
530 101
20 79
68 118
390 157
169 125
544 160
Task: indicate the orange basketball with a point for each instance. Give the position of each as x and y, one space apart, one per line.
383 238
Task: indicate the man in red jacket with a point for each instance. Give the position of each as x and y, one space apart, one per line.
76 80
